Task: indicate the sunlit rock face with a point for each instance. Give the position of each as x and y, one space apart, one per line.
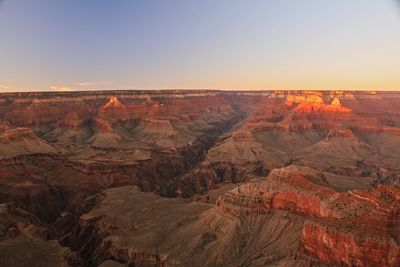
113 109
113 102
315 103
202 178
358 227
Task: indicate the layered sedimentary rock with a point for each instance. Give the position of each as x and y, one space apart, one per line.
175 232
354 228
21 141
293 217
61 152
330 131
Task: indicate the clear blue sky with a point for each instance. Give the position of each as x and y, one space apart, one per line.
231 44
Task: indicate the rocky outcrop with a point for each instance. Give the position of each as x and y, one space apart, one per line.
113 109
285 189
15 134
344 248
315 103
194 233
336 222
22 141
295 201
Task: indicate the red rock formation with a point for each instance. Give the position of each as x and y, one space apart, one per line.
358 228
72 119
342 247
185 142
286 189
15 134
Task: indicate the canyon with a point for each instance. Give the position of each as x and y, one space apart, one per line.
200 178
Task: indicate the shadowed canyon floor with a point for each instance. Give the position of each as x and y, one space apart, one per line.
200 178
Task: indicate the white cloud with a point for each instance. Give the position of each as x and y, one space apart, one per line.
91 83
4 87
62 88
85 83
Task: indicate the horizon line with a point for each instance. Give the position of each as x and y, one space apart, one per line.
202 89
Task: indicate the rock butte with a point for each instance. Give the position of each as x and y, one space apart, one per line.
200 178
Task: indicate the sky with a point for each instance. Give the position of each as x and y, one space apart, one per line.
61 45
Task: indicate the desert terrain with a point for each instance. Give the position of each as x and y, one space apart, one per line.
200 178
